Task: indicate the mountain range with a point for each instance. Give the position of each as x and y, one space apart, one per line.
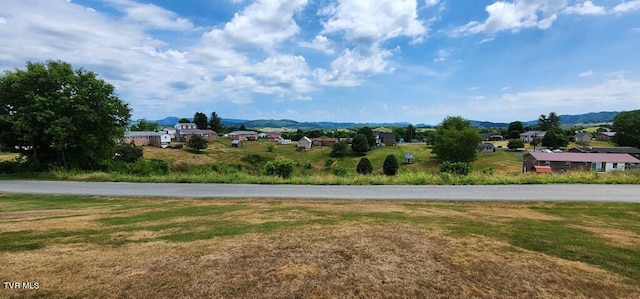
569 120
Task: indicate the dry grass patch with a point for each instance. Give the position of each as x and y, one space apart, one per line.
141 248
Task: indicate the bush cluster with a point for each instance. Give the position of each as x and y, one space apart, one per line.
281 168
459 168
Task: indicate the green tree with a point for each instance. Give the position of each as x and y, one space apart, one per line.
409 133
400 132
197 143
454 140
368 133
515 129
242 127
144 125
184 121
364 166
555 138
339 149
128 153
201 121
281 168
627 127
215 122
390 165
359 144
58 116
515 144
545 123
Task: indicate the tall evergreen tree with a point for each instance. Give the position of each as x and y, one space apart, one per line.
201 121
215 122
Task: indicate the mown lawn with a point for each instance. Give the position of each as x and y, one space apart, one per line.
80 246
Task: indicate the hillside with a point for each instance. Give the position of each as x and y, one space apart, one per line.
587 118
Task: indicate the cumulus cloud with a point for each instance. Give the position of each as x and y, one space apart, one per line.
369 23
265 23
348 69
586 8
151 15
320 43
514 16
586 74
627 6
430 3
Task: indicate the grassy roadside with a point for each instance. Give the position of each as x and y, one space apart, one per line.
136 247
220 163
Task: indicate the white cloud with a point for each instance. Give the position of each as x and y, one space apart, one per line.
320 43
586 74
585 8
151 15
627 6
430 3
351 66
369 23
514 16
265 23
442 55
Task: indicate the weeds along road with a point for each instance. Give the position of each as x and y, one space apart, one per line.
552 192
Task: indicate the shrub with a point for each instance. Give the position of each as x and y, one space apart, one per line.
197 143
256 160
515 144
339 149
340 171
328 163
270 147
360 144
307 165
281 168
390 165
127 153
364 166
459 168
180 167
147 167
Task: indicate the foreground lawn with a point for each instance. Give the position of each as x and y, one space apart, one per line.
97 247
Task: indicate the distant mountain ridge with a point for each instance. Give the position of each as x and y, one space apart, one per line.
586 118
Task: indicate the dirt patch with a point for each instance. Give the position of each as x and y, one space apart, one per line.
617 236
512 212
345 261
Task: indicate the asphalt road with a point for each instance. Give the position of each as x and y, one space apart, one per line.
560 192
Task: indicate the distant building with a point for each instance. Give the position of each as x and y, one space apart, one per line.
560 162
142 138
304 143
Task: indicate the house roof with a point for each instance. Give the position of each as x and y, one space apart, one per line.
235 133
582 134
196 131
584 157
236 142
329 139
609 134
132 134
305 138
617 149
533 133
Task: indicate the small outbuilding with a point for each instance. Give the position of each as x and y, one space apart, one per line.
236 143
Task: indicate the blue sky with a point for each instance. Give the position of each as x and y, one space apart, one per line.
341 60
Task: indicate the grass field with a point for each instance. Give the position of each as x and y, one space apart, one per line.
96 247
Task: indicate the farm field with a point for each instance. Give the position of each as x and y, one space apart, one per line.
97 247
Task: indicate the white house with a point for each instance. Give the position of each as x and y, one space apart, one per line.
185 126
304 142
171 132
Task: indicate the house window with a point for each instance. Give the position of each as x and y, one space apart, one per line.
567 164
615 165
547 163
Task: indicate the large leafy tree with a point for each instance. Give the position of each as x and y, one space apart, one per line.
359 144
515 129
58 116
409 133
627 127
555 138
201 121
454 140
197 143
215 122
368 133
546 123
